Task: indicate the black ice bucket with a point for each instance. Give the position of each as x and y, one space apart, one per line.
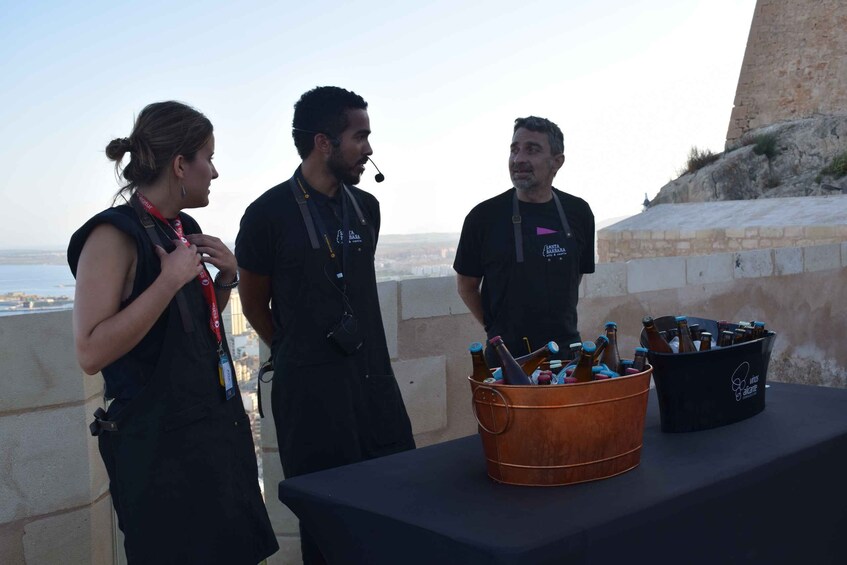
707 389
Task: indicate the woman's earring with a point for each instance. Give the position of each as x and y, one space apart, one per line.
182 190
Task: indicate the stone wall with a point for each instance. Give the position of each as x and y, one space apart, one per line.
794 64
703 228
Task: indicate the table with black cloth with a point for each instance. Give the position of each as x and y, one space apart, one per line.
770 489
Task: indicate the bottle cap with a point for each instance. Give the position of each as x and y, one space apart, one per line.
631 371
497 374
589 346
647 321
570 380
475 347
490 381
495 340
598 369
641 350
759 324
544 379
553 347
602 338
681 319
610 325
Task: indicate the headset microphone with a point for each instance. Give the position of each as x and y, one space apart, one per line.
379 177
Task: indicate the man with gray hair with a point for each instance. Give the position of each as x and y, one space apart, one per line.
522 254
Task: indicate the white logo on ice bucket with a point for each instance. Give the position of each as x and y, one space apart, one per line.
742 389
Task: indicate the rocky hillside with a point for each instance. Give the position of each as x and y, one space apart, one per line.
805 157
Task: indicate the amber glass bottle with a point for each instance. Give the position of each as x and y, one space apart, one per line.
512 372
480 368
686 344
582 373
531 361
655 342
610 356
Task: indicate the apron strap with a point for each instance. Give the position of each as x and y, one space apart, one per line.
516 223
149 226
359 214
304 211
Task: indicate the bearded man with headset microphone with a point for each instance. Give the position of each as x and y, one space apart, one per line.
305 252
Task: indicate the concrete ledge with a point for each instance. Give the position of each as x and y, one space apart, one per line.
283 520
609 279
423 383
705 269
428 298
749 264
388 306
659 273
49 462
844 254
42 370
81 536
822 258
788 260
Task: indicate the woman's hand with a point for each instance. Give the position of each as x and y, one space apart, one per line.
180 266
214 252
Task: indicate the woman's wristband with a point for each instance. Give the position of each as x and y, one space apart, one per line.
226 286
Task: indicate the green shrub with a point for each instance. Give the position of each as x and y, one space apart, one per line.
697 159
838 167
765 144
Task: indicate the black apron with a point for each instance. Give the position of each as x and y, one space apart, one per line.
541 295
182 464
332 409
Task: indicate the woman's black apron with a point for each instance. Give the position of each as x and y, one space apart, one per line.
539 303
181 463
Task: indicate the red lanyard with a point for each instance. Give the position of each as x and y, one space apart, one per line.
205 282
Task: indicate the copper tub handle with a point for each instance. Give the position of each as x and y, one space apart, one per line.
476 415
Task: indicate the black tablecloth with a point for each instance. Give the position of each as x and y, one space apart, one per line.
770 489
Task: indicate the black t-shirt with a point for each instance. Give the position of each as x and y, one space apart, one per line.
487 249
273 241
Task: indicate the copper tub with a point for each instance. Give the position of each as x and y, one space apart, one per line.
561 434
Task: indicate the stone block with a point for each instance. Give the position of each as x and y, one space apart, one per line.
822 257
388 306
609 279
283 520
793 231
788 261
751 232
658 234
642 234
771 232
706 269
49 462
687 234
751 264
735 233
844 254
819 232
423 383
658 273
749 243
428 298
79 536
39 362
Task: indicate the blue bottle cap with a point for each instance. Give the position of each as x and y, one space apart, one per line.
589 347
602 338
475 347
681 318
611 324
498 374
759 324
597 369
553 347
641 350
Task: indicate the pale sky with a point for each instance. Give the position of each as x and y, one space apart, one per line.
632 83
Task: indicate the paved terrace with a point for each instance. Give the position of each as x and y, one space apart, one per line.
55 503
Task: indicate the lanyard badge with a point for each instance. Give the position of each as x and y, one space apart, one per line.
225 374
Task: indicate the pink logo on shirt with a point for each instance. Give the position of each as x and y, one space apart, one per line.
544 231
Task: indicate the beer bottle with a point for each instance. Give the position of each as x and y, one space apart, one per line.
739 335
582 373
639 360
654 340
694 329
601 343
512 372
686 345
531 361
480 368
575 348
705 341
726 338
610 356
759 330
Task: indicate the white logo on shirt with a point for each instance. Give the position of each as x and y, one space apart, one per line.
353 237
553 250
